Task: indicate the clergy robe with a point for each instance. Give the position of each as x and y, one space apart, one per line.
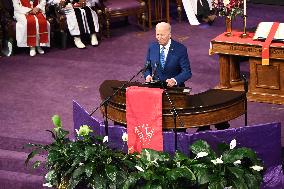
39 35
190 7
80 20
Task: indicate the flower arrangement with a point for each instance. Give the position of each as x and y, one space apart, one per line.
230 8
88 161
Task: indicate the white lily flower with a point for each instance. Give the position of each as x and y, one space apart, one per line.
257 168
77 132
124 137
233 144
178 164
139 168
148 155
217 161
155 162
80 164
237 162
201 154
105 139
47 185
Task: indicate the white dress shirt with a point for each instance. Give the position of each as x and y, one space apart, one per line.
166 49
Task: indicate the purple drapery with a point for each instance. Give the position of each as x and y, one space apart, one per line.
265 139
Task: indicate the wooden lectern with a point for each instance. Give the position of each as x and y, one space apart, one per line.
207 108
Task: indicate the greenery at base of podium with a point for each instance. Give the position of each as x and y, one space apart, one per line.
88 161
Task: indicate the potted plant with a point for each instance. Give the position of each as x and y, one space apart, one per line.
85 161
229 167
88 161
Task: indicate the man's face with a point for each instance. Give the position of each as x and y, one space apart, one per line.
163 35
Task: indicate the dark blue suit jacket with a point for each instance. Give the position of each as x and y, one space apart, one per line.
177 64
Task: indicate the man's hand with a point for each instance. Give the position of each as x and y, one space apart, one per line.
171 82
35 10
149 78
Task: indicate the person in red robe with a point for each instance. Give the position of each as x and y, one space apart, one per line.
32 28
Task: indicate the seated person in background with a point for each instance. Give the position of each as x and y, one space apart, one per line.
198 11
32 28
204 14
80 20
168 59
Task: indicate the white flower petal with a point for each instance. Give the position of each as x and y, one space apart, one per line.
77 132
201 154
139 168
105 139
124 137
178 164
214 161
233 144
257 168
228 187
217 161
237 162
47 185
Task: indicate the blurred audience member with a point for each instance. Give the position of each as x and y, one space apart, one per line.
81 19
32 28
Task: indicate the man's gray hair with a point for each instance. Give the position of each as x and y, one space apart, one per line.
164 24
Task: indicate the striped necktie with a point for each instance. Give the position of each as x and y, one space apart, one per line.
162 57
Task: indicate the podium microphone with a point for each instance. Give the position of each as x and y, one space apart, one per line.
155 69
146 66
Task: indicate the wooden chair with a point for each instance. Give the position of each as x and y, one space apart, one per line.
159 10
123 8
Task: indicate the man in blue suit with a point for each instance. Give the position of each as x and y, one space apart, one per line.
168 59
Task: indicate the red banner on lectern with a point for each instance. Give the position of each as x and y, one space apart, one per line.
144 118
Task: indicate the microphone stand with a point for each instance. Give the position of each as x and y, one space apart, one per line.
175 115
106 100
246 103
173 110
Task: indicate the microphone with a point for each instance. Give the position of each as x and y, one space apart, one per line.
146 66
155 69
245 83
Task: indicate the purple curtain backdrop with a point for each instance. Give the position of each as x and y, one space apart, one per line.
265 139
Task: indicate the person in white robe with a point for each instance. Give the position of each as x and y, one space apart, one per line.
32 28
198 11
80 20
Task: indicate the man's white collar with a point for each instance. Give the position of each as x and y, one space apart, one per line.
167 45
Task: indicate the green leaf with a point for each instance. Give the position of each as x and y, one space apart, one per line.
239 184
222 147
217 184
61 133
179 157
31 155
89 169
237 172
111 172
130 181
200 146
201 173
98 182
56 121
252 181
181 172
78 172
